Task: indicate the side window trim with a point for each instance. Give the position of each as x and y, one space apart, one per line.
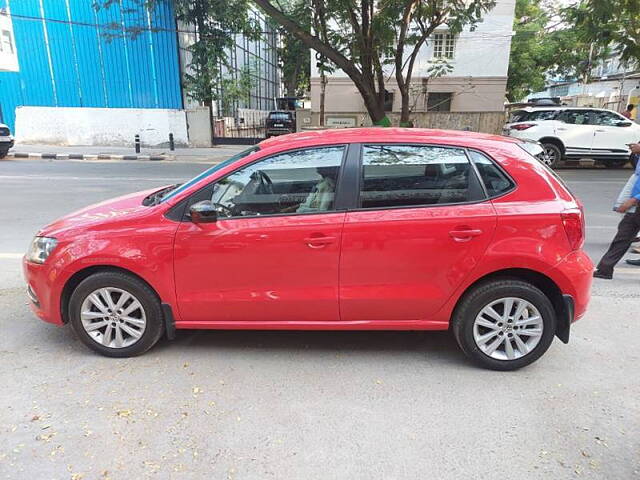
478 180
187 201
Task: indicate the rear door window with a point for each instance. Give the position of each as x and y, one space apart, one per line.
576 117
410 175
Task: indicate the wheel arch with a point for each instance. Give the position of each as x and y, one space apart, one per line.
80 275
556 141
537 279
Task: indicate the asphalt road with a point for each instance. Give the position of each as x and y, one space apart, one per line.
296 405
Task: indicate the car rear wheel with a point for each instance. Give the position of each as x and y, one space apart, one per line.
116 314
552 155
504 324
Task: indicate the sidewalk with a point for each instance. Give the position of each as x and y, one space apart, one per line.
192 155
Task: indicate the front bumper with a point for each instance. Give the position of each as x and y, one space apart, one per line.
43 290
6 143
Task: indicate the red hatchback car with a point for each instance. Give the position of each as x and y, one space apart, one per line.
358 229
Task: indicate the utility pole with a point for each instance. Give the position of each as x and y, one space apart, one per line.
587 71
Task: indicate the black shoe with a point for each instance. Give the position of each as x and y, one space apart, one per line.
635 263
604 276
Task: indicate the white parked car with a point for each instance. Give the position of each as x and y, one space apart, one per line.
6 140
572 133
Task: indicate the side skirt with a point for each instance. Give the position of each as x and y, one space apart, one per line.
338 325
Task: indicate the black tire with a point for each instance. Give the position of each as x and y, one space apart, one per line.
553 156
485 293
140 290
3 153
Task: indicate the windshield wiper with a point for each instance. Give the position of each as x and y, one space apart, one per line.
156 197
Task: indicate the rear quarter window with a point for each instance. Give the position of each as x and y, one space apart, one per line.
495 180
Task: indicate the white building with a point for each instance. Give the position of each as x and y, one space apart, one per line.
476 83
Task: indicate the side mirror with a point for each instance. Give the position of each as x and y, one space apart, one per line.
203 212
623 123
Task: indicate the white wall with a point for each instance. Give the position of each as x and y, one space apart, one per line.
481 53
99 126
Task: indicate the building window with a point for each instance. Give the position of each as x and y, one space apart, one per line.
439 102
444 45
6 42
388 101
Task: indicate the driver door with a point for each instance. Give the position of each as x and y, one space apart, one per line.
273 253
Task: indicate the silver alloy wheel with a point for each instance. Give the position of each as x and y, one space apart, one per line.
113 317
508 328
549 156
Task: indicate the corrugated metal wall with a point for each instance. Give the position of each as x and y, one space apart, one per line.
73 59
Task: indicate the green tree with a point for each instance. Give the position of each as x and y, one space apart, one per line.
546 44
293 55
362 37
216 22
528 59
613 24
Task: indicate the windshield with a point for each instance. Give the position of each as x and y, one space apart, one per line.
206 173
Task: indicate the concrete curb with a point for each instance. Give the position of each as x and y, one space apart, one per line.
88 157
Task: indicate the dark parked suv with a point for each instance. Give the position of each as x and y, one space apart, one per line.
280 123
6 140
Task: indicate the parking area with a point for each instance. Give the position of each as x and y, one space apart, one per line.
306 405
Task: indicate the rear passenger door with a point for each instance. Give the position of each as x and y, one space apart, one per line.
576 132
421 226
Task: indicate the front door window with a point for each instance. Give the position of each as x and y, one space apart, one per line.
295 182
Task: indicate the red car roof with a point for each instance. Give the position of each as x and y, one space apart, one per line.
381 134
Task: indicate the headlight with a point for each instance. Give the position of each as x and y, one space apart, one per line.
40 249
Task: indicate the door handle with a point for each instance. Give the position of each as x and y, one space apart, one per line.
319 242
464 235
561 129
600 130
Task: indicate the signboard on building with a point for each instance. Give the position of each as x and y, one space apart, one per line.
341 122
8 51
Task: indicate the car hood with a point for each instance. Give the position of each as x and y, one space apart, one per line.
107 212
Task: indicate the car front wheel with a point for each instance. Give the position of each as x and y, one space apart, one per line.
116 314
3 153
504 324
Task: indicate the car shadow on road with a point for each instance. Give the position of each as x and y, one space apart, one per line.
440 346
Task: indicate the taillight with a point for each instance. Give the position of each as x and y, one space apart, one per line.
573 221
522 126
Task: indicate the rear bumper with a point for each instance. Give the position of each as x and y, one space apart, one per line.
278 131
574 275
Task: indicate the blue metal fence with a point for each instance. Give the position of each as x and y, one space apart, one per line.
72 55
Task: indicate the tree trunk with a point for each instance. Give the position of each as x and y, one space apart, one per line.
405 112
366 87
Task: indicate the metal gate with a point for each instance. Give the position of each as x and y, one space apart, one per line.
247 128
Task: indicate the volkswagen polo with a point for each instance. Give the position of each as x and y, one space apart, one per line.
357 229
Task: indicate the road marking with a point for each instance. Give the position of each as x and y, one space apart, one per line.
11 256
